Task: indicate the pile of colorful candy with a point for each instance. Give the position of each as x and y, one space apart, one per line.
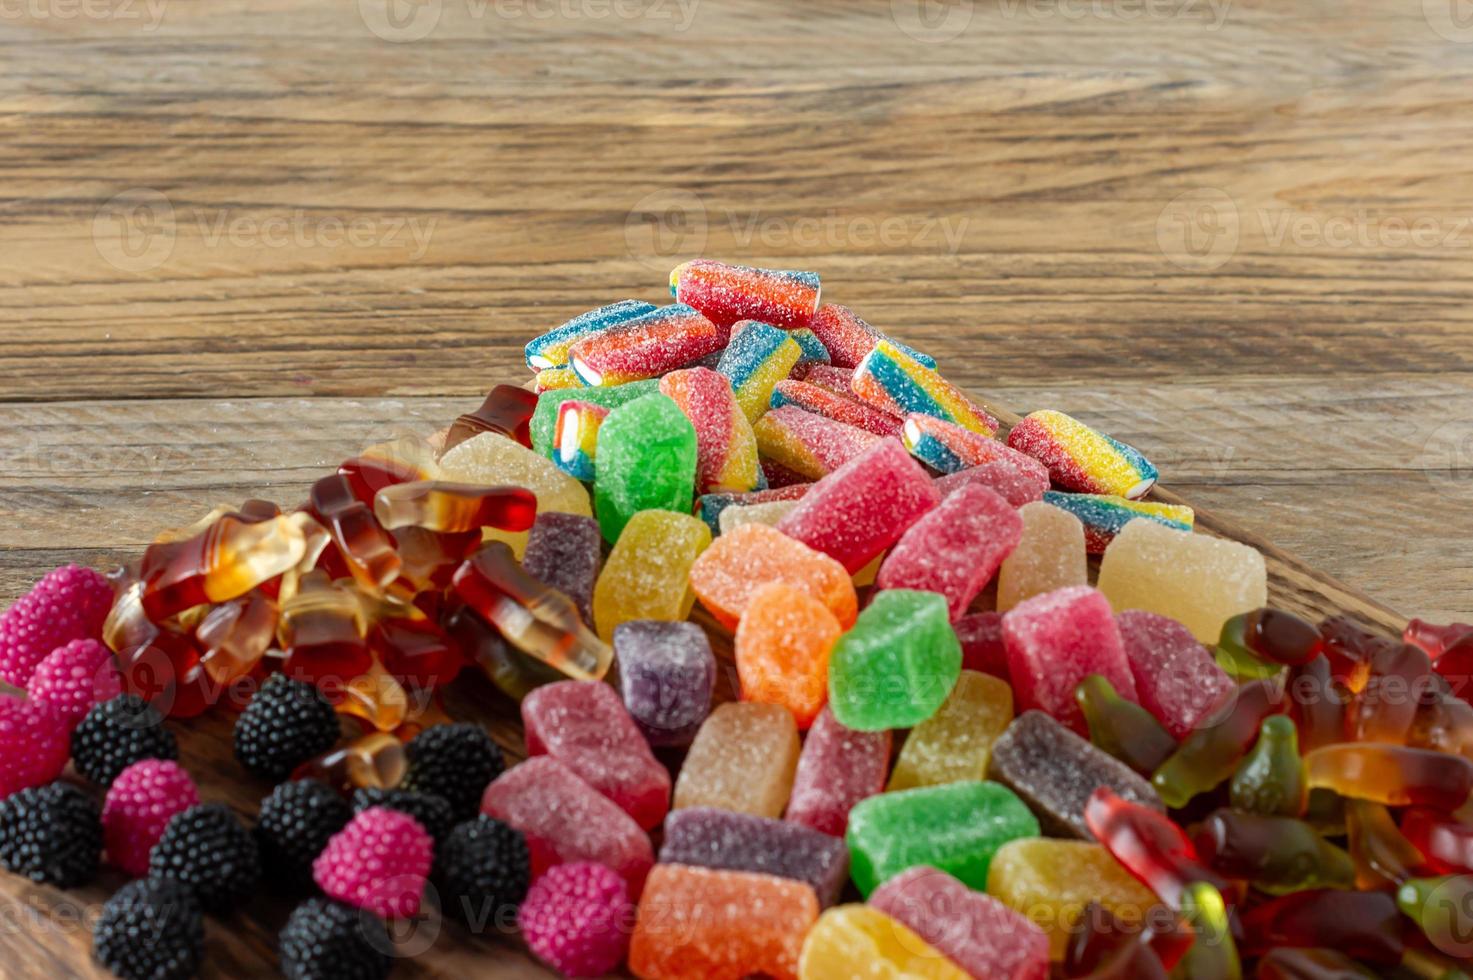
1152 776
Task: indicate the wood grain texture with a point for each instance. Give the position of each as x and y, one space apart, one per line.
239 240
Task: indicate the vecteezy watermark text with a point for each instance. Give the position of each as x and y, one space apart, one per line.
405 21
146 14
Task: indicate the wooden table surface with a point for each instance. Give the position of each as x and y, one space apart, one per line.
239 240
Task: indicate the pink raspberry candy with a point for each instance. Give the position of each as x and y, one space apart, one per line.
379 862
73 678
576 917
138 807
69 603
34 745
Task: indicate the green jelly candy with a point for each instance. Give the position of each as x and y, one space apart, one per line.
955 827
1241 662
1270 779
1443 908
646 461
1123 728
897 665
544 417
1213 954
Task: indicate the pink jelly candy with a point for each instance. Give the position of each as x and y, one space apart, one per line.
73 678
34 745
1176 678
955 549
864 506
977 932
810 445
1017 484
1056 640
139 805
839 406
575 919
837 768
565 819
378 862
585 726
982 647
68 603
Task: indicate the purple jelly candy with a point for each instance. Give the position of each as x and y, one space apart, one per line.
837 768
666 674
1176 679
720 839
564 550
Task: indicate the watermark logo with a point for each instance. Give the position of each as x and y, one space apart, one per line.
1212 13
1452 20
1447 455
405 21
147 15
403 936
1448 913
135 231
1199 230
932 21
401 21
665 225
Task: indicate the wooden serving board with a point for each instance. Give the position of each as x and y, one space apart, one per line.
47 930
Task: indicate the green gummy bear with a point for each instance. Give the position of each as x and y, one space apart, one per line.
544 416
898 663
956 827
646 461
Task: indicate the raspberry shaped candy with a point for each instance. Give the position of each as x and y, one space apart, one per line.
207 850
432 812
286 723
150 930
296 822
118 733
484 866
455 762
51 834
69 603
74 677
378 862
139 805
326 940
33 745
575 919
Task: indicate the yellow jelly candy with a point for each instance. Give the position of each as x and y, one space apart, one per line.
954 744
1050 556
859 941
491 459
743 759
647 575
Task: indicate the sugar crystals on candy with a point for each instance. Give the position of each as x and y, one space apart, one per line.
726 448
646 346
565 551
711 838
1176 678
743 759
740 562
782 647
893 381
954 743
860 940
648 572
807 444
758 357
666 675
897 665
1081 458
1050 555
646 461
731 293
837 768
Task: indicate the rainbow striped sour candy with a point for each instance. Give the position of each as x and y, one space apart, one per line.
551 349
1083 459
646 346
758 357
949 448
729 293
726 449
577 437
893 381
839 406
1104 515
814 352
810 445
848 338
557 379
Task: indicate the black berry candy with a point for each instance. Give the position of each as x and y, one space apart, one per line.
327 940
296 822
485 869
455 762
51 833
152 929
117 733
432 812
286 723
206 849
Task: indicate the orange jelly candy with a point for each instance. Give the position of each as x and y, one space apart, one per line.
699 924
727 574
782 650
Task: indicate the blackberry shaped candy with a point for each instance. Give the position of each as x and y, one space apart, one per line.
152 929
484 870
206 849
52 834
286 723
296 822
117 733
327 940
454 762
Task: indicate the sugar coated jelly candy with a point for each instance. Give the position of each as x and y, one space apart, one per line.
1052 881
837 768
1081 458
743 759
737 564
1105 515
224 561
550 350
646 346
864 506
708 838
954 549
666 675
507 410
1391 774
565 551
577 438
1147 844
584 725
862 941
1050 555
726 448
782 648
978 933
730 293
1210 753
1176 679
954 744
1199 581
493 460
758 357
709 506
1276 855
807 444
956 827
703 924
647 461
544 418
1270 779
814 352
1123 728
769 514
556 379
449 507
647 575
1056 640
897 665
847 338
564 819
838 406
950 448
1016 485
893 381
